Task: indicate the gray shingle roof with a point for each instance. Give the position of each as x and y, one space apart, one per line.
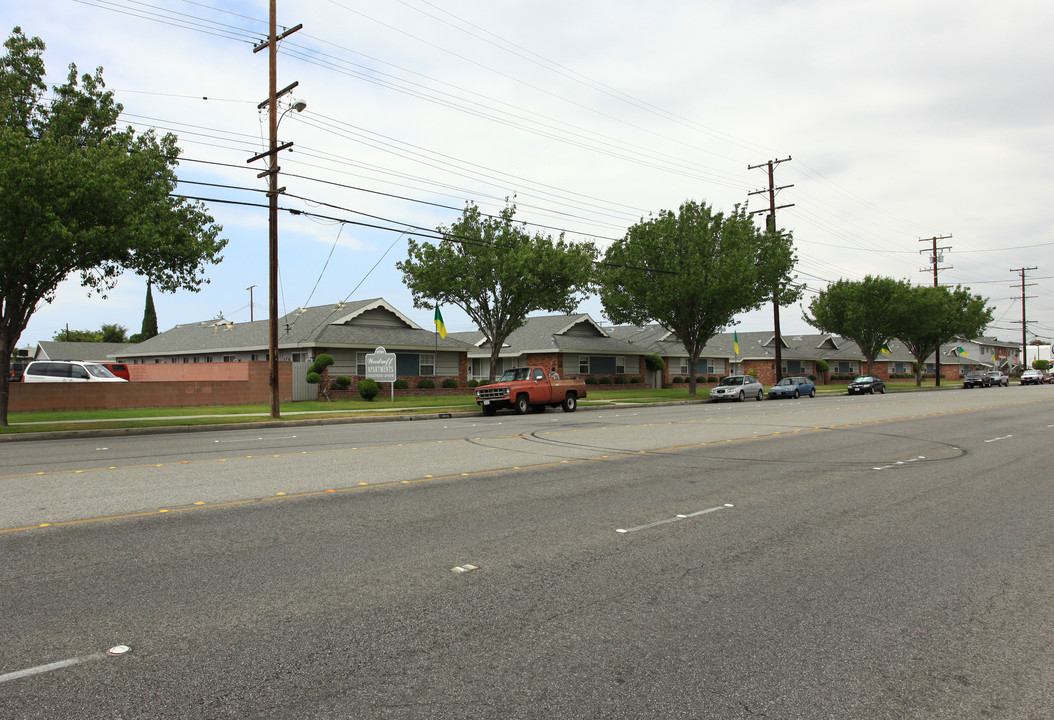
361 324
555 333
83 351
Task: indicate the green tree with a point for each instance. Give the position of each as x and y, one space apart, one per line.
498 273
149 328
68 335
861 310
693 271
113 333
928 317
81 196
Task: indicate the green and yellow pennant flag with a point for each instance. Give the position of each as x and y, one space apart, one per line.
962 353
885 350
735 342
440 325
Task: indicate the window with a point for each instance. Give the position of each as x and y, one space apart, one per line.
428 364
230 358
539 374
620 365
683 367
583 364
843 367
793 367
360 364
295 357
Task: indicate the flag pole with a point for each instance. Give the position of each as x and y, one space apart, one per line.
435 358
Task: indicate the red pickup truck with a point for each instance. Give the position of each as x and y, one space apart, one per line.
529 389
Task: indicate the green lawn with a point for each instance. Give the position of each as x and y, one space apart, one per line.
161 417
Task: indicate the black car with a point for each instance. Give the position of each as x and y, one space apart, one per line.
867 384
977 378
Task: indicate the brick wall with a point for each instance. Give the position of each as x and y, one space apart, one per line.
254 389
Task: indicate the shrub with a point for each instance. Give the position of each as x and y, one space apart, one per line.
591 380
314 378
426 384
473 383
621 380
401 385
678 381
604 380
654 362
822 366
712 380
813 378
752 372
450 383
343 382
701 379
321 362
1041 364
635 380
368 388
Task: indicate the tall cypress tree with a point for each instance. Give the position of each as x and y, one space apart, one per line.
149 317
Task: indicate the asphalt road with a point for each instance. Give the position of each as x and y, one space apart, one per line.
868 557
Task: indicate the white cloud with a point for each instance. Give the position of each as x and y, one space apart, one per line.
904 119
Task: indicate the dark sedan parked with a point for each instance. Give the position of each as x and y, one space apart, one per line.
977 378
867 384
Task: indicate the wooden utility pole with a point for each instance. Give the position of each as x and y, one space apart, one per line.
936 257
1024 320
771 227
272 195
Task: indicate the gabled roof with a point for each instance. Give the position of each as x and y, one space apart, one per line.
83 351
358 324
577 333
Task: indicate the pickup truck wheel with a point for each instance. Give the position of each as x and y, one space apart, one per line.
522 405
490 410
570 403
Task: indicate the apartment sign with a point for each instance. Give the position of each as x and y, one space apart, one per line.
380 366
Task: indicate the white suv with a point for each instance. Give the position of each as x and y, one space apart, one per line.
67 371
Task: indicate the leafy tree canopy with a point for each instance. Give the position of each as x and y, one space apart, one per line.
80 196
498 273
928 317
693 271
863 311
111 333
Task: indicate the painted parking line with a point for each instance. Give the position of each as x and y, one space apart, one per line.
899 463
666 521
60 664
1004 437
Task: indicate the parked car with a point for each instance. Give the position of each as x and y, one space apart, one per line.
1032 377
997 377
793 387
118 369
40 371
529 389
977 378
737 387
867 384
18 366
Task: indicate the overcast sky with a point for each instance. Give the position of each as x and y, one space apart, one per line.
905 120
